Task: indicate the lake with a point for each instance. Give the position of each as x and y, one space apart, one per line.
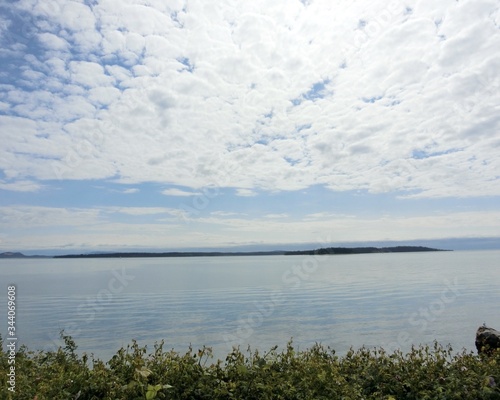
390 300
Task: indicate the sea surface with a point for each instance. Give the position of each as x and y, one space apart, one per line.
342 301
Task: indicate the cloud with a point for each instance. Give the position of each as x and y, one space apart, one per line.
245 193
53 42
25 218
21 186
131 191
324 216
225 214
113 227
276 216
179 192
89 74
140 211
257 97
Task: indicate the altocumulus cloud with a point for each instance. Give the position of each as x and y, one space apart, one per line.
395 97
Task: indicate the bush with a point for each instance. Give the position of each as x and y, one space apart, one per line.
425 372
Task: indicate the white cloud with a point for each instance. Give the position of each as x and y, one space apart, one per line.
46 227
324 216
224 96
131 191
21 186
89 74
26 218
76 16
245 192
137 211
179 192
104 95
224 214
53 42
276 216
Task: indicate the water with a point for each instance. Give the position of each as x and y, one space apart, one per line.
389 300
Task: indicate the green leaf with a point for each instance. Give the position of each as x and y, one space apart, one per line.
131 385
152 391
242 369
144 372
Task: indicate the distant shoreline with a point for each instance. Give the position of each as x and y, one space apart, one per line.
322 251
172 254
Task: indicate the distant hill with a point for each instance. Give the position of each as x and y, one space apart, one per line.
321 251
324 251
172 254
361 250
10 254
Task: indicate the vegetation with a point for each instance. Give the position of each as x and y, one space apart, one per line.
173 254
361 250
426 372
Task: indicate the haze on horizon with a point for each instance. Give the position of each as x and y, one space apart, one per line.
182 124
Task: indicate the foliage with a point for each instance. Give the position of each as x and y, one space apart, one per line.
425 372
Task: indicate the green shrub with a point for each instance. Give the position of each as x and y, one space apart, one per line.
425 372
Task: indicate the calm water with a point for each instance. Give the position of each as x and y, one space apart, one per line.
390 300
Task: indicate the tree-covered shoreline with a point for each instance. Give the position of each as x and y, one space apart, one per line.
320 251
425 372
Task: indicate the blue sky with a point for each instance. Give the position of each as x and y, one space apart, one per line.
146 125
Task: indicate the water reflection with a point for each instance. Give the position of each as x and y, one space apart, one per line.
354 300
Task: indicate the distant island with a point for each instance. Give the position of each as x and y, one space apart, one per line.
361 250
173 254
10 254
322 251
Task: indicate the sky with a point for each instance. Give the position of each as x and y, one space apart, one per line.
152 124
